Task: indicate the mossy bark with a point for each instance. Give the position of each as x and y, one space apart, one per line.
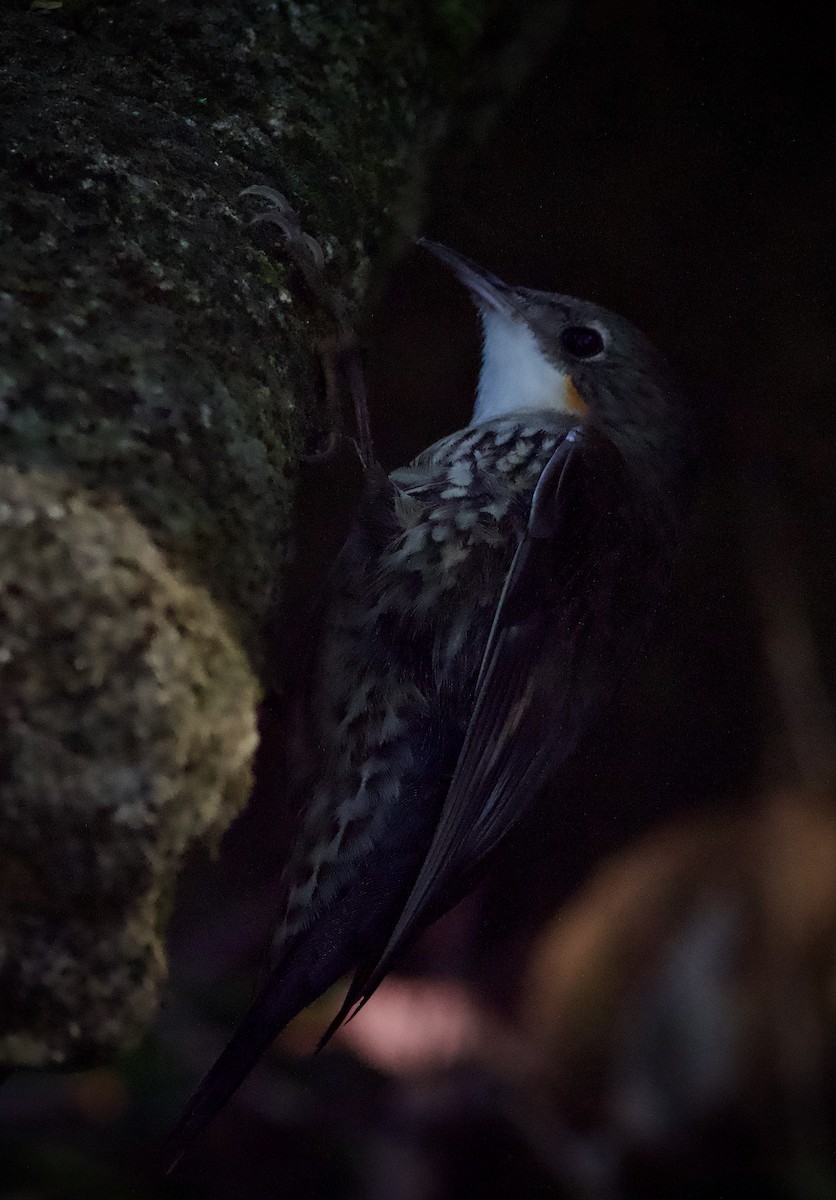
158 375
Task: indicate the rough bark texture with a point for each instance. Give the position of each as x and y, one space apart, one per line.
128 729
159 374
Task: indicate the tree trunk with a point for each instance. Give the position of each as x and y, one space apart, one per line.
159 375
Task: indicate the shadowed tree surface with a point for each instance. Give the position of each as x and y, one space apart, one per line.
160 372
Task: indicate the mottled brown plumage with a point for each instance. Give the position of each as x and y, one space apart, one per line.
439 546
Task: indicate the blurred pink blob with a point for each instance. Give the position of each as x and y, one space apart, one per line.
416 1025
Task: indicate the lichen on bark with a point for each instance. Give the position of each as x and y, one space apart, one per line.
127 714
158 375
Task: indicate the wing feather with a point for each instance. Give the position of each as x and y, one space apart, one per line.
511 746
571 616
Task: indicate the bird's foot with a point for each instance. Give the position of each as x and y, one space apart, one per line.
340 352
305 251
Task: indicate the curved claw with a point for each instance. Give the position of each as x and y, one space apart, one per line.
283 215
314 249
275 217
275 197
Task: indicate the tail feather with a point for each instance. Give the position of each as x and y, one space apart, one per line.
262 1021
353 931
291 986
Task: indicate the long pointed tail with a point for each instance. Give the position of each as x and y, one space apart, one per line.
262 1021
342 937
292 985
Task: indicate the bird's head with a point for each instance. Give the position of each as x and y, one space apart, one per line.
545 351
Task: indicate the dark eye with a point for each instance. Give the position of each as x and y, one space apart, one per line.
580 341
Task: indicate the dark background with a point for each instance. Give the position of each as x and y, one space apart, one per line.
675 163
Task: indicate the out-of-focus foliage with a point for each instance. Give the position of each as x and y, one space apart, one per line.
689 992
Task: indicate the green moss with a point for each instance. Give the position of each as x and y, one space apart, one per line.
272 273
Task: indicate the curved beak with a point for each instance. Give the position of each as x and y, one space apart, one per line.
486 289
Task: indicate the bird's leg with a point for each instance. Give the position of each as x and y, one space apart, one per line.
341 359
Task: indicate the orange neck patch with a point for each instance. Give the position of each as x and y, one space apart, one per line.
574 400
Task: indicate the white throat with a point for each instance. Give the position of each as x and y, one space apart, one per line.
515 373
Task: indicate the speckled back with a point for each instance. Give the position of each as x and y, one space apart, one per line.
414 593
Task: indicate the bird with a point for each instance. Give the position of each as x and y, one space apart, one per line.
488 601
